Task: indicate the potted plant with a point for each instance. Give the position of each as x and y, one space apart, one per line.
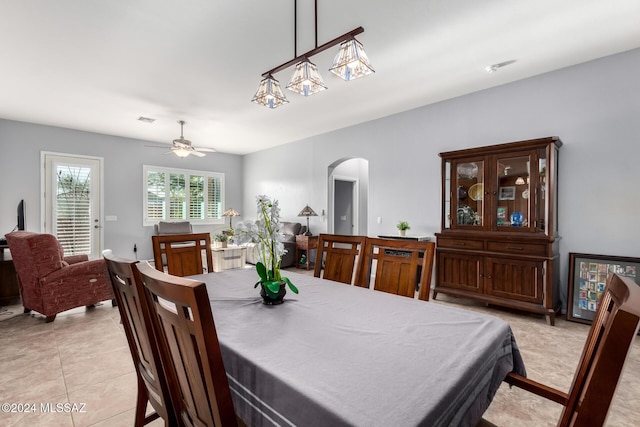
403 226
220 240
265 232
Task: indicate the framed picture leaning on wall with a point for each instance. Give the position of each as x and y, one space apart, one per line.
588 278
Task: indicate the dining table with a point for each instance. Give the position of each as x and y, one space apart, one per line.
341 355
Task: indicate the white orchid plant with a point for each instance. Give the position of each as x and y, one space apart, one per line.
265 232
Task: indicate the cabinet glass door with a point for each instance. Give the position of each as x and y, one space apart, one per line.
469 194
541 190
514 194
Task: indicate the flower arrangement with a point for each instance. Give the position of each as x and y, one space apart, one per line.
220 241
220 238
403 225
265 232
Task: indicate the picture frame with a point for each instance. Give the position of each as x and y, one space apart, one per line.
587 280
501 215
507 193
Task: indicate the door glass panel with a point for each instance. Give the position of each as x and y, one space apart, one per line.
73 209
469 194
447 195
72 197
514 193
541 194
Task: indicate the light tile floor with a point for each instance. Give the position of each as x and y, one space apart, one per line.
82 358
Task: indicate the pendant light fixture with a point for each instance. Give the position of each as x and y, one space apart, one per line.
350 63
306 80
269 93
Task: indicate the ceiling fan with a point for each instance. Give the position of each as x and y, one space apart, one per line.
182 147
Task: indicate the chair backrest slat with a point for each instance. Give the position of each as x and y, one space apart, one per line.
189 348
338 256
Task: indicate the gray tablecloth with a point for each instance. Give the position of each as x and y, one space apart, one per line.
338 355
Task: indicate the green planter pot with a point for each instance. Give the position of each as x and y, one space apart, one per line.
270 298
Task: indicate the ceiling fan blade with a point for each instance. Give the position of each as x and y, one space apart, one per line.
208 150
197 153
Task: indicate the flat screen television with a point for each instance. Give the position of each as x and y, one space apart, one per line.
21 224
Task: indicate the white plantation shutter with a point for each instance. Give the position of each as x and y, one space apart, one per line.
73 210
176 194
214 198
155 196
196 197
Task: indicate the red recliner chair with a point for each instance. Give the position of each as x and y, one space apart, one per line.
51 283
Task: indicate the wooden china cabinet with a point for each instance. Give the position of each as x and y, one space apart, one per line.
499 238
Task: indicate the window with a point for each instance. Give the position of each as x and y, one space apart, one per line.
178 194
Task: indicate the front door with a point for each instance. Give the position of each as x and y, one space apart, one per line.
72 198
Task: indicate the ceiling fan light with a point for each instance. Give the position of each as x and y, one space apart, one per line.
351 62
269 93
182 152
306 80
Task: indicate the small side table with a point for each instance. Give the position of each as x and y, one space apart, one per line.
9 288
228 258
304 244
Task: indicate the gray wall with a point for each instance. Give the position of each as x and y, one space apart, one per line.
593 107
20 148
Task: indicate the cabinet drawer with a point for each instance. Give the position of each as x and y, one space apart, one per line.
446 242
517 248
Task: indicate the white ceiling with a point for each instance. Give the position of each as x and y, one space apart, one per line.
98 65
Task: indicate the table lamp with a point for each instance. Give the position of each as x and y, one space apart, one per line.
230 213
307 211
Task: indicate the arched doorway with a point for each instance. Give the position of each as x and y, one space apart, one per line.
348 196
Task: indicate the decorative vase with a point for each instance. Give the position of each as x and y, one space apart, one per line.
516 219
403 232
273 299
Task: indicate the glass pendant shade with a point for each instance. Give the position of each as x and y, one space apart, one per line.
182 152
351 62
306 80
269 93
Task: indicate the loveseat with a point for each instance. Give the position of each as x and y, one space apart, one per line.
290 230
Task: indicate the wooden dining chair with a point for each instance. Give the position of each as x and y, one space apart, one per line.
613 330
183 253
136 320
337 257
400 266
189 348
